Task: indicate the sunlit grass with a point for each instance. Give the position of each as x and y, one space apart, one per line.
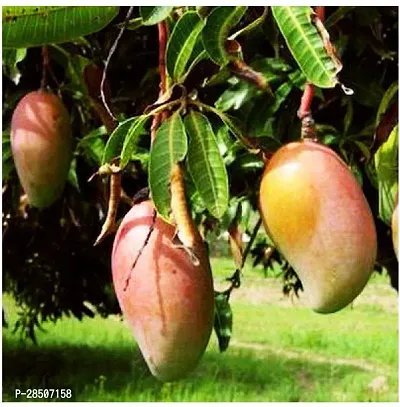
279 352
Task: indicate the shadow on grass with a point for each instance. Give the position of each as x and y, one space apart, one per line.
120 374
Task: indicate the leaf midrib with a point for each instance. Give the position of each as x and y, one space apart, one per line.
213 188
52 9
194 33
293 18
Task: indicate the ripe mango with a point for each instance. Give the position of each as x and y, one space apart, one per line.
395 230
167 301
41 144
316 214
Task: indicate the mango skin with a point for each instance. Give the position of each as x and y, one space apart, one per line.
395 230
169 302
41 144
316 213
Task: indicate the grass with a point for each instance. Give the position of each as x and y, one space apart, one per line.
280 351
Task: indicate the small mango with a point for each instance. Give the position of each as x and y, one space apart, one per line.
41 143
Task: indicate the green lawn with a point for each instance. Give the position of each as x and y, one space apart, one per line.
280 351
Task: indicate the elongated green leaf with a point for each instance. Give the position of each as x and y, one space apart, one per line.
235 97
386 163
75 66
205 164
216 31
340 13
93 145
280 96
133 24
274 71
306 45
169 147
30 26
386 101
11 57
123 138
154 14
7 160
198 54
252 26
223 320
181 43
233 124
132 137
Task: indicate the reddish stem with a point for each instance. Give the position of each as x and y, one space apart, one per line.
304 111
320 11
162 40
162 46
306 100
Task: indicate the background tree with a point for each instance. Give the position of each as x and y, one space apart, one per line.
234 66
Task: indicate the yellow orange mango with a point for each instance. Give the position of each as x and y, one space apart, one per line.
316 214
167 301
41 144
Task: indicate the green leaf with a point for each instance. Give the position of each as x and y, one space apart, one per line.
240 92
280 96
169 147
262 116
7 159
205 164
386 163
306 45
181 43
355 169
386 101
93 145
235 97
72 175
11 57
246 211
348 117
122 140
232 123
30 26
198 54
363 148
223 320
74 66
215 33
249 162
132 137
339 14
133 24
252 26
154 14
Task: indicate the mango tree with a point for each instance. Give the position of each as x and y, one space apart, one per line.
132 136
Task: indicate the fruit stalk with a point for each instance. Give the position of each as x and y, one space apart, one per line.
162 46
304 113
45 65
